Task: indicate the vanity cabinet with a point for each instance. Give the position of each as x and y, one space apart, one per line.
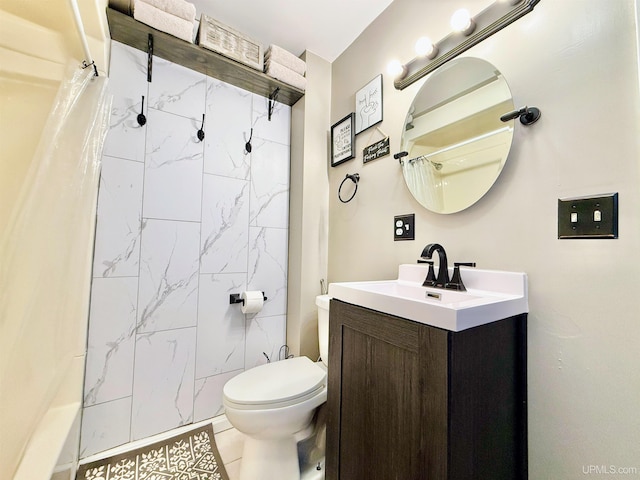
409 401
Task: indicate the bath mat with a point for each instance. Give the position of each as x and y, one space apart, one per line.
192 455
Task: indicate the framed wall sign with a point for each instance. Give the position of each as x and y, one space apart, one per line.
343 146
376 150
369 105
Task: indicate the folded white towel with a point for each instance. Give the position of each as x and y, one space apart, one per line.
179 8
284 74
161 20
288 59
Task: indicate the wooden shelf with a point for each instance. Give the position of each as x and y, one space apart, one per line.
127 30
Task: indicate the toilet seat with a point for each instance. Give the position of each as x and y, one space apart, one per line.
275 385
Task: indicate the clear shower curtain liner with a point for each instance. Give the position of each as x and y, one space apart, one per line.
46 249
421 179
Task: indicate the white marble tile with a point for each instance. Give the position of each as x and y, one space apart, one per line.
264 334
111 342
278 129
173 168
119 220
163 381
269 185
168 291
225 225
128 84
177 89
268 267
227 130
207 401
221 326
105 426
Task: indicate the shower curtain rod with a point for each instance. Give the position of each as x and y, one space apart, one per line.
83 37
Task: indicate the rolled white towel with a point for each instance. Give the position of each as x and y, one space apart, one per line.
285 74
163 21
179 8
285 58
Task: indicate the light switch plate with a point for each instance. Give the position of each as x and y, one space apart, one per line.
404 227
588 217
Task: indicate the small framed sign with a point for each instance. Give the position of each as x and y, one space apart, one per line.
343 146
369 105
376 150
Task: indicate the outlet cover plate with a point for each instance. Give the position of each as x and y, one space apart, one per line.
404 227
588 217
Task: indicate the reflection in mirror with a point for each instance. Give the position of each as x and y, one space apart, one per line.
456 143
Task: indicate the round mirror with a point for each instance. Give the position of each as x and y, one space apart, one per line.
456 143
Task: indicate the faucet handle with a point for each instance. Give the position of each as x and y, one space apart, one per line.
456 280
430 281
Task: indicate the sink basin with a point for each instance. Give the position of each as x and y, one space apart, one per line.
491 295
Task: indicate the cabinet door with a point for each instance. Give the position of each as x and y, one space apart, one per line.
381 400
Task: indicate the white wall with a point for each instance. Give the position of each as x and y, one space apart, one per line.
309 207
182 224
577 61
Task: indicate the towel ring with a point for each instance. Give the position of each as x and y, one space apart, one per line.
355 178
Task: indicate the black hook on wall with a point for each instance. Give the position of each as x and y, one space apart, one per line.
247 146
201 131
141 118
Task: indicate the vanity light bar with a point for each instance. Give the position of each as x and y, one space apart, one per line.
489 21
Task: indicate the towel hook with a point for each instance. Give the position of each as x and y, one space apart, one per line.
201 131
247 146
141 118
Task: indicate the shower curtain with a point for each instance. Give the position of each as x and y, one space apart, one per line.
423 182
45 255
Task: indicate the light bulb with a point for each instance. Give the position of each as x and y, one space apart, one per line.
396 69
424 47
461 21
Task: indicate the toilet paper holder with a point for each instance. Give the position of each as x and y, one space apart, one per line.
235 298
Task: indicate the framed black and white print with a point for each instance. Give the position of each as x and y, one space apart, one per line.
343 146
369 104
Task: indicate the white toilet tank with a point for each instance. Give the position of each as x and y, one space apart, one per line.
322 301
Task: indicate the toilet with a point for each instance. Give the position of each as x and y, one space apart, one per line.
274 406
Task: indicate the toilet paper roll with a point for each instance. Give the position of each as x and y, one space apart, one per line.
253 301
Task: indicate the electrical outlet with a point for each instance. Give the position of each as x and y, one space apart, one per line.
404 227
588 217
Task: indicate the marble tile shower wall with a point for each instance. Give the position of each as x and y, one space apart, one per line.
181 225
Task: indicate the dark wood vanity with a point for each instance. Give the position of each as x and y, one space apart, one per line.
409 401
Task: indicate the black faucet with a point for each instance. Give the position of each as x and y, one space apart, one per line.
456 281
443 269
